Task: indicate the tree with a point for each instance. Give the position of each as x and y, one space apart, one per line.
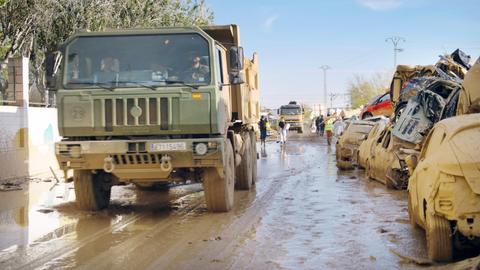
363 89
33 28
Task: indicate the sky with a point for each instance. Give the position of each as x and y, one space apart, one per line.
294 39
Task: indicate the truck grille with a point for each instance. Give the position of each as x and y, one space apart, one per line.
144 111
135 159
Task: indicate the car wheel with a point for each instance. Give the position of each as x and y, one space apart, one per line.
439 238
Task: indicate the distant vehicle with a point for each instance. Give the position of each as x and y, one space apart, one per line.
293 115
348 143
444 188
379 105
366 145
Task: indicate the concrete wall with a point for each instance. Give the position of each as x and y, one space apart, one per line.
13 142
42 135
27 137
27 134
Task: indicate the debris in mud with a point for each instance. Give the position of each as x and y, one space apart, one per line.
45 210
373 258
315 190
353 177
288 199
407 259
10 187
382 230
218 238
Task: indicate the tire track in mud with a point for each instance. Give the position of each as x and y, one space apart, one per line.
45 254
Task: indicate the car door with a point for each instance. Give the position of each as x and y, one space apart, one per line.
384 105
383 156
374 152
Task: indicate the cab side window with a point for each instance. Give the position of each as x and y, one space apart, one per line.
219 67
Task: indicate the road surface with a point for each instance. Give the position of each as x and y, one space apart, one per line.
302 214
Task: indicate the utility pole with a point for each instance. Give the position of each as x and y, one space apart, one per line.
395 40
325 68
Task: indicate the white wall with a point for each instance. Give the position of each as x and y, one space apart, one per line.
27 137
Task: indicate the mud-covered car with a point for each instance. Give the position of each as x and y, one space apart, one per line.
366 145
348 143
444 188
386 160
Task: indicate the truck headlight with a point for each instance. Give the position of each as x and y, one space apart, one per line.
201 149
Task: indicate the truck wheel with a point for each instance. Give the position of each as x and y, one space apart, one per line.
219 189
244 170
92 191
253 137
439 238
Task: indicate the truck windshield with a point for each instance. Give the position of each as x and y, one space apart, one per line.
290 111
134 60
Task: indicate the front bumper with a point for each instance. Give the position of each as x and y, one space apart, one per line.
139 159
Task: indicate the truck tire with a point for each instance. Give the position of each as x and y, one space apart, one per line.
439 238
244 176
219 189
92 191
253 137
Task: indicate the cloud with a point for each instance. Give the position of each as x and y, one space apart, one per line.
380 5
268 23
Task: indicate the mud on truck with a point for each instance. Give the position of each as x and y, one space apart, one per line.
151 106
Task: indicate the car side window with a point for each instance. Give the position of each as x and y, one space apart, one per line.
382 135
384 98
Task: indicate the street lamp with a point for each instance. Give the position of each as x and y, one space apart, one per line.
395 40
325 68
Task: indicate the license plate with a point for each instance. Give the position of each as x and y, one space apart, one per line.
175 146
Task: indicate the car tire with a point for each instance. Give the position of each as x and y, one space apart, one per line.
92 191
219 189
439 238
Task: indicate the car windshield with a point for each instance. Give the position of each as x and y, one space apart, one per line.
364 129
290 111
133 60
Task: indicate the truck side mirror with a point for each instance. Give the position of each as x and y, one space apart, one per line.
236 58
50 70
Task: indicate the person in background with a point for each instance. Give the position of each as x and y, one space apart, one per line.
262 125
320 125
338 127
329 127
282 130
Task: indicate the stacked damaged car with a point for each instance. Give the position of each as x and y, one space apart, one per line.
431 147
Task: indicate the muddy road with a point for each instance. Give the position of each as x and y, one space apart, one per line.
302 214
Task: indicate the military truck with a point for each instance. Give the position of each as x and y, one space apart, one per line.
293 115
151 106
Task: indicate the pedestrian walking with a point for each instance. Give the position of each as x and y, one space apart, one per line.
262 125
282 130
338 127
329 127
320 125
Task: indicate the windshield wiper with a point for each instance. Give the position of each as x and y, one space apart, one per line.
179 82
153 87
101 85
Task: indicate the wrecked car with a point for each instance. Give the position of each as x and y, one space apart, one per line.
444 188
366 145
347 145
386 160
379 105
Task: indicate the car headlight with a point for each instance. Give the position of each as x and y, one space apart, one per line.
201 149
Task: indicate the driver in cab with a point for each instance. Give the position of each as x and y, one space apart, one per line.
198 72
